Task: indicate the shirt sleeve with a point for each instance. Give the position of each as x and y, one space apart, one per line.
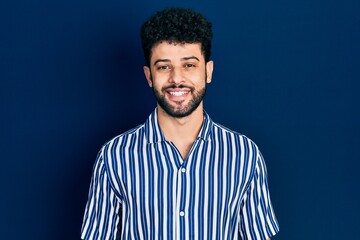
101 218
257 217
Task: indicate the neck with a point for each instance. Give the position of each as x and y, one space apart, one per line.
185 129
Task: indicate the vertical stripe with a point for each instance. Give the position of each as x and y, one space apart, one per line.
137 187
163 197
154 200
215 178
223 190
197 222
206 192
223 216
146 189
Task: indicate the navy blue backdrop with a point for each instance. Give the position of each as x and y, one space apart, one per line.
286 75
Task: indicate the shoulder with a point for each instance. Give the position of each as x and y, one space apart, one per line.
245 149
235 136
125 137
112 152
112 149
242 150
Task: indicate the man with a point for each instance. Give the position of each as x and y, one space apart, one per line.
179 175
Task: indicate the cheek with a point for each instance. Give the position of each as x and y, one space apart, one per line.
195 75
200 79
158 80
156 84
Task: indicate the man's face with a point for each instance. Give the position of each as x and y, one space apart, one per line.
178 76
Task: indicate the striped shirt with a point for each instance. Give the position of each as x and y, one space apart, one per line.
142 188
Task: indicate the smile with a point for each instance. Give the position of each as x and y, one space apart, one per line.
178 93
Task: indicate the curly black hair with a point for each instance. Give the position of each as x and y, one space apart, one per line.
176 25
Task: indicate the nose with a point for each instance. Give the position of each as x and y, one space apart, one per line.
176 76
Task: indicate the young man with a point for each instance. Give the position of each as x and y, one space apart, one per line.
179 175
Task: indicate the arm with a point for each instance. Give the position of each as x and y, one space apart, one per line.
257 220
101 214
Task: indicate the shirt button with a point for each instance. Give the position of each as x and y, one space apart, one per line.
183 170
182 213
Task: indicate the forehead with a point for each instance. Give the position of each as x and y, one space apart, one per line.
175 51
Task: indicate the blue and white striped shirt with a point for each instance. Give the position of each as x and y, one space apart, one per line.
142 188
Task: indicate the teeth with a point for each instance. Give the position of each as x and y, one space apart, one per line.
177 93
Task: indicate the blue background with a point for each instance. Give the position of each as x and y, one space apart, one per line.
286 75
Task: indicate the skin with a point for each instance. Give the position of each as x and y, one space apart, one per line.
172 65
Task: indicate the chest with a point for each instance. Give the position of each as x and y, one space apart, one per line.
210 173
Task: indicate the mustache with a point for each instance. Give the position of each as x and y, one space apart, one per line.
177 86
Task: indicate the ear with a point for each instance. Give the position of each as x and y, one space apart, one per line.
209 71
147 73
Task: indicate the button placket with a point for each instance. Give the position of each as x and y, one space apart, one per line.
182 191
182 178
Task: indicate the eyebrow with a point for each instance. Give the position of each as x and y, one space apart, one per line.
161 60
182 59
188 58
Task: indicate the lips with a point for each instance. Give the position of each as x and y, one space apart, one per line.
177 94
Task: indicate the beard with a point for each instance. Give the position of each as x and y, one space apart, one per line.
180 110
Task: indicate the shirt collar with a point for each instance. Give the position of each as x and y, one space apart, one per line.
154 134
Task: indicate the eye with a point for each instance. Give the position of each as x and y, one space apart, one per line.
163 67
189 65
